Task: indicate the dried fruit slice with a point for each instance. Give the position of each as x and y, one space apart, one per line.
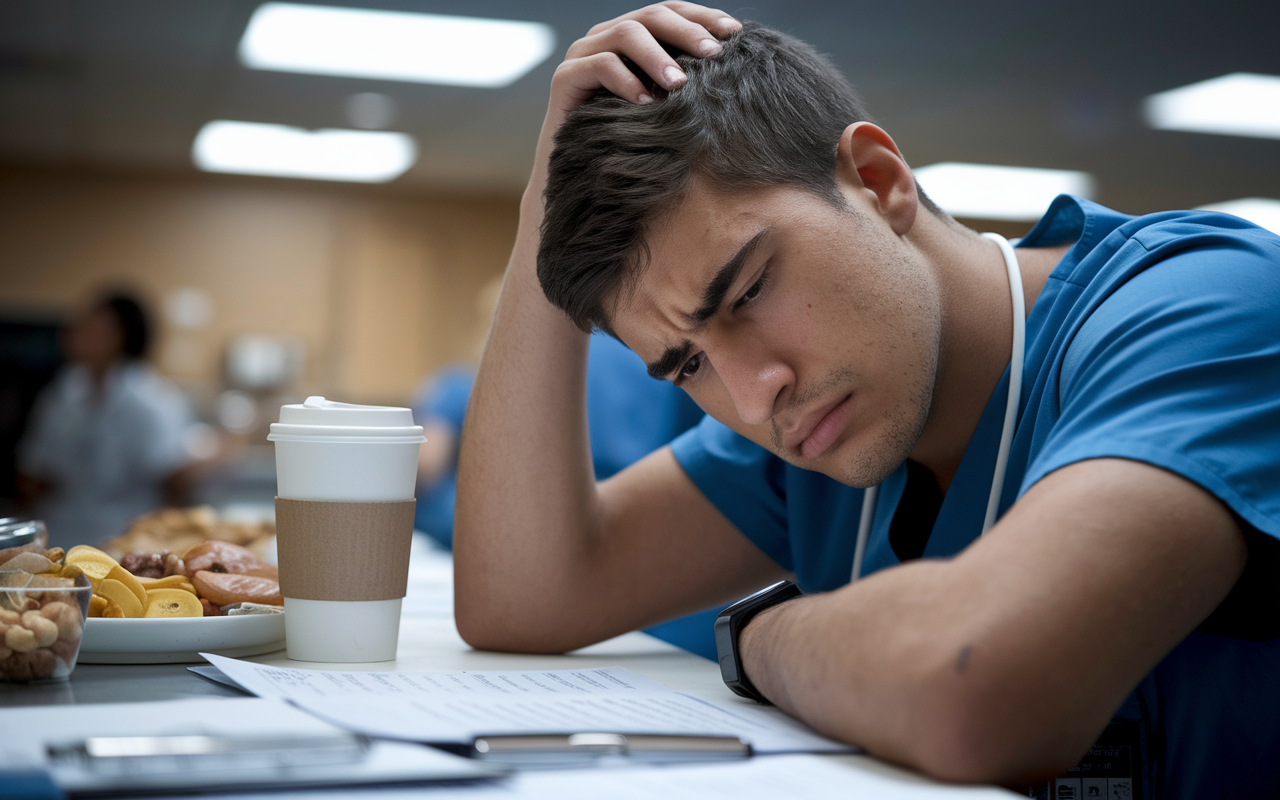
173 603
93 570
83 552
120 595
94 563
217 556
70 571
131 581
171 582
222 588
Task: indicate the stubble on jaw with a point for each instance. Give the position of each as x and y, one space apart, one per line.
906 419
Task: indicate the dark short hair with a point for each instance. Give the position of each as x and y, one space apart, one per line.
767 110
133 321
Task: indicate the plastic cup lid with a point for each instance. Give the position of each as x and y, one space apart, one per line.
317 411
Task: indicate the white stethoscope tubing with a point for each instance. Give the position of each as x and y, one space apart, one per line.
1010 412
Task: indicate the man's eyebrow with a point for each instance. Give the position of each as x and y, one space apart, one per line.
672 358
713 296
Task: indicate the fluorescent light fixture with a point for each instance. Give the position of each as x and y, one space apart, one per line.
986 191
1258 210
1239 104
254 148
392 45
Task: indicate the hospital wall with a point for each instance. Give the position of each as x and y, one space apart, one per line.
378 287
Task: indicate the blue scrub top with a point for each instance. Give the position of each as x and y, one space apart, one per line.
1155 339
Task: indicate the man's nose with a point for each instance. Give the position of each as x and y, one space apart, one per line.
755 382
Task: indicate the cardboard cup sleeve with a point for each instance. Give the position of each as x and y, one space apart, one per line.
343 551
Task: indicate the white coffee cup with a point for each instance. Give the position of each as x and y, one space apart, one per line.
328 452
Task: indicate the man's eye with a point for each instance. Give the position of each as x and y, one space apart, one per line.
750 294
690 368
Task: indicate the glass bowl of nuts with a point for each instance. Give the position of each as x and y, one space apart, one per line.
41 622
42 609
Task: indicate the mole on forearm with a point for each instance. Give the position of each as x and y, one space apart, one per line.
962 660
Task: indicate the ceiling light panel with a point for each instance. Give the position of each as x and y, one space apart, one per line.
987 191
252 148
1260 211
390 45
1240 104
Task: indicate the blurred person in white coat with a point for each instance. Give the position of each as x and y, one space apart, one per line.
105 441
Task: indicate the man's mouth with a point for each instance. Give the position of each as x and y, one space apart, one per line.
819 429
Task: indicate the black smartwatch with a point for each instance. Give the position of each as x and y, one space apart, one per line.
729 625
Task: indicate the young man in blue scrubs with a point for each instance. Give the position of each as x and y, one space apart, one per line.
734 218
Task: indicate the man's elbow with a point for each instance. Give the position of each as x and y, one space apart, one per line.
476 625
981 737
486 624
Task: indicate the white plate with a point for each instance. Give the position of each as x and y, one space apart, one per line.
167 641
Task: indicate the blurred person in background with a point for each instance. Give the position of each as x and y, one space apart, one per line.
105 441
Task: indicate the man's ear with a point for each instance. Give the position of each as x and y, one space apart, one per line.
868 161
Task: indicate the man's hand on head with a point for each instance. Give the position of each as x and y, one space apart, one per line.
596 61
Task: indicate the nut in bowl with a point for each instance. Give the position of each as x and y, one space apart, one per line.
42 620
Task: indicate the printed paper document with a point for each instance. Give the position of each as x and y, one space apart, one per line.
458 706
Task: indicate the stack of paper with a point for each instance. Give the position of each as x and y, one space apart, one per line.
456 707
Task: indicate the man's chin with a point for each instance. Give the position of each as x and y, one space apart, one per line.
860 470
862 467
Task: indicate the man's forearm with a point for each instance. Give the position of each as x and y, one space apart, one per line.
525 485
1004 663
855 663
898 664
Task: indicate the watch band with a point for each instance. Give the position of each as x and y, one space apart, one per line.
729 625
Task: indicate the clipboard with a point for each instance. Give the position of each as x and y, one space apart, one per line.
132 766
222 744
561 750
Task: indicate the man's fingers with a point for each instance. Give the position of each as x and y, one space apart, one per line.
634 41
671 27
712 20
578 79
640 36
598 60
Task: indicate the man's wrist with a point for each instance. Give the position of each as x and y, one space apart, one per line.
758 628
730 626
754 646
